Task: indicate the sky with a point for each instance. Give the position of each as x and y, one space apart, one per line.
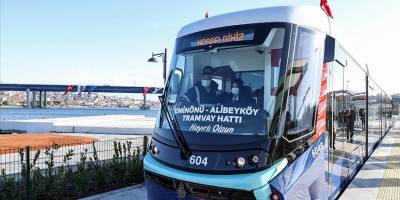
109 41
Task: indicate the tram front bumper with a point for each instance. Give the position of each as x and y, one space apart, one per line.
163 182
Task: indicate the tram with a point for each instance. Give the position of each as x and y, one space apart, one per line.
263 104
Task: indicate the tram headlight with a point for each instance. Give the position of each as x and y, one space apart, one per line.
240 162
155 150
254 160
275 196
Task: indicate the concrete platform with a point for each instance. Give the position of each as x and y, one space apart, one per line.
106 124
137 192
380 176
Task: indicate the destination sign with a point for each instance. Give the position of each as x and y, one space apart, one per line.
220 119
218 38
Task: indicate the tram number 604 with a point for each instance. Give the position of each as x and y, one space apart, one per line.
197 160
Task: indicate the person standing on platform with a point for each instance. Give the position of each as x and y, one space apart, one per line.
351 118
361 112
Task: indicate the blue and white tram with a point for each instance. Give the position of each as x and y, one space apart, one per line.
263 104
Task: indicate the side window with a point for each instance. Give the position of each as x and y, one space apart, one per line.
374 118
354 80
304 77
176 79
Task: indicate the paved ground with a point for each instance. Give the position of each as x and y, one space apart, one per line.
137 192
380 176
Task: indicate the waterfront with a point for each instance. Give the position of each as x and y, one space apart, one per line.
47 113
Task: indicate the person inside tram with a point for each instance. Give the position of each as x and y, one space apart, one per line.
351 118
205 92
239 96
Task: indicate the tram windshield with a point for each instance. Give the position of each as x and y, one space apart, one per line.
228 82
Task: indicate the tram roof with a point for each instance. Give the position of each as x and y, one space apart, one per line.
308 16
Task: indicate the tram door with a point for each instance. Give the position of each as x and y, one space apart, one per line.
336 127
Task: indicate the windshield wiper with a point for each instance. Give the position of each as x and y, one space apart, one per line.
175 129
302 103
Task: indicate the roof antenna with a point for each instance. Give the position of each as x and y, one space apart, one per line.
206 16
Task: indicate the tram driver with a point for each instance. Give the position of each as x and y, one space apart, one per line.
205 92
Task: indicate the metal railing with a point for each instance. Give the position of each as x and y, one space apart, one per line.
31 172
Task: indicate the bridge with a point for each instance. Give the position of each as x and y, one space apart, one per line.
32 89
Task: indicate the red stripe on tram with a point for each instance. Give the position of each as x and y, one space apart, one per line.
321 117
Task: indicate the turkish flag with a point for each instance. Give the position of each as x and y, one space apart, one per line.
145 90
68 89
325 7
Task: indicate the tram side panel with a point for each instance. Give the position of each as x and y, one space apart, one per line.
327 166
305 177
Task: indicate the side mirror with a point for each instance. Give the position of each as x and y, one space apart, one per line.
329 55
